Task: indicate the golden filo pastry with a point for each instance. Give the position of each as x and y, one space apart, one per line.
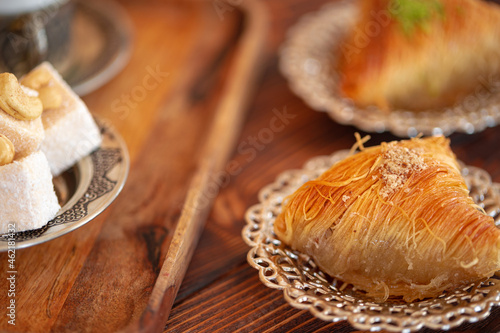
393 220
421 54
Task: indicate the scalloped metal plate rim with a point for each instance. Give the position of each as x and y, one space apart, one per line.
306 287
105 172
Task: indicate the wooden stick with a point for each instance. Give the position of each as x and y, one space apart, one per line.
203 189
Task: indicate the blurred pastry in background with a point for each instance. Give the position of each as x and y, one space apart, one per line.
420 54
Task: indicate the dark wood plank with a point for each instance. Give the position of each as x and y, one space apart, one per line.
137 234
99 277
239 302
307 134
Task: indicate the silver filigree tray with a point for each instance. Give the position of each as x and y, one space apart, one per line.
84 191
305 286
306 60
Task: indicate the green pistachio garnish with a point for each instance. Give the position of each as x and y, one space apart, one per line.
415 14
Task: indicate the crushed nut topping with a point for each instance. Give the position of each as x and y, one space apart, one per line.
398 163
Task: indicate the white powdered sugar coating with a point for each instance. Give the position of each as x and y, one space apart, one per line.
28 197
398 162
70 131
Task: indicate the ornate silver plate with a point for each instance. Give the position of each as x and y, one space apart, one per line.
306 60
305 286
84 191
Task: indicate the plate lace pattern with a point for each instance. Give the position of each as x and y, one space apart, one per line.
305 286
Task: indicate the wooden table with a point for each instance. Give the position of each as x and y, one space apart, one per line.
99 277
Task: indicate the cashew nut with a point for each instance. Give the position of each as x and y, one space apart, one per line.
7 150
40 80
36 79
15 101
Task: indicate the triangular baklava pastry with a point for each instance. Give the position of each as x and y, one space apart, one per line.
421 54
393 220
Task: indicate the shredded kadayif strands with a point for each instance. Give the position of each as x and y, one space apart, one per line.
393 220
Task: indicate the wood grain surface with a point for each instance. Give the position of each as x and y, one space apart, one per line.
99 278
